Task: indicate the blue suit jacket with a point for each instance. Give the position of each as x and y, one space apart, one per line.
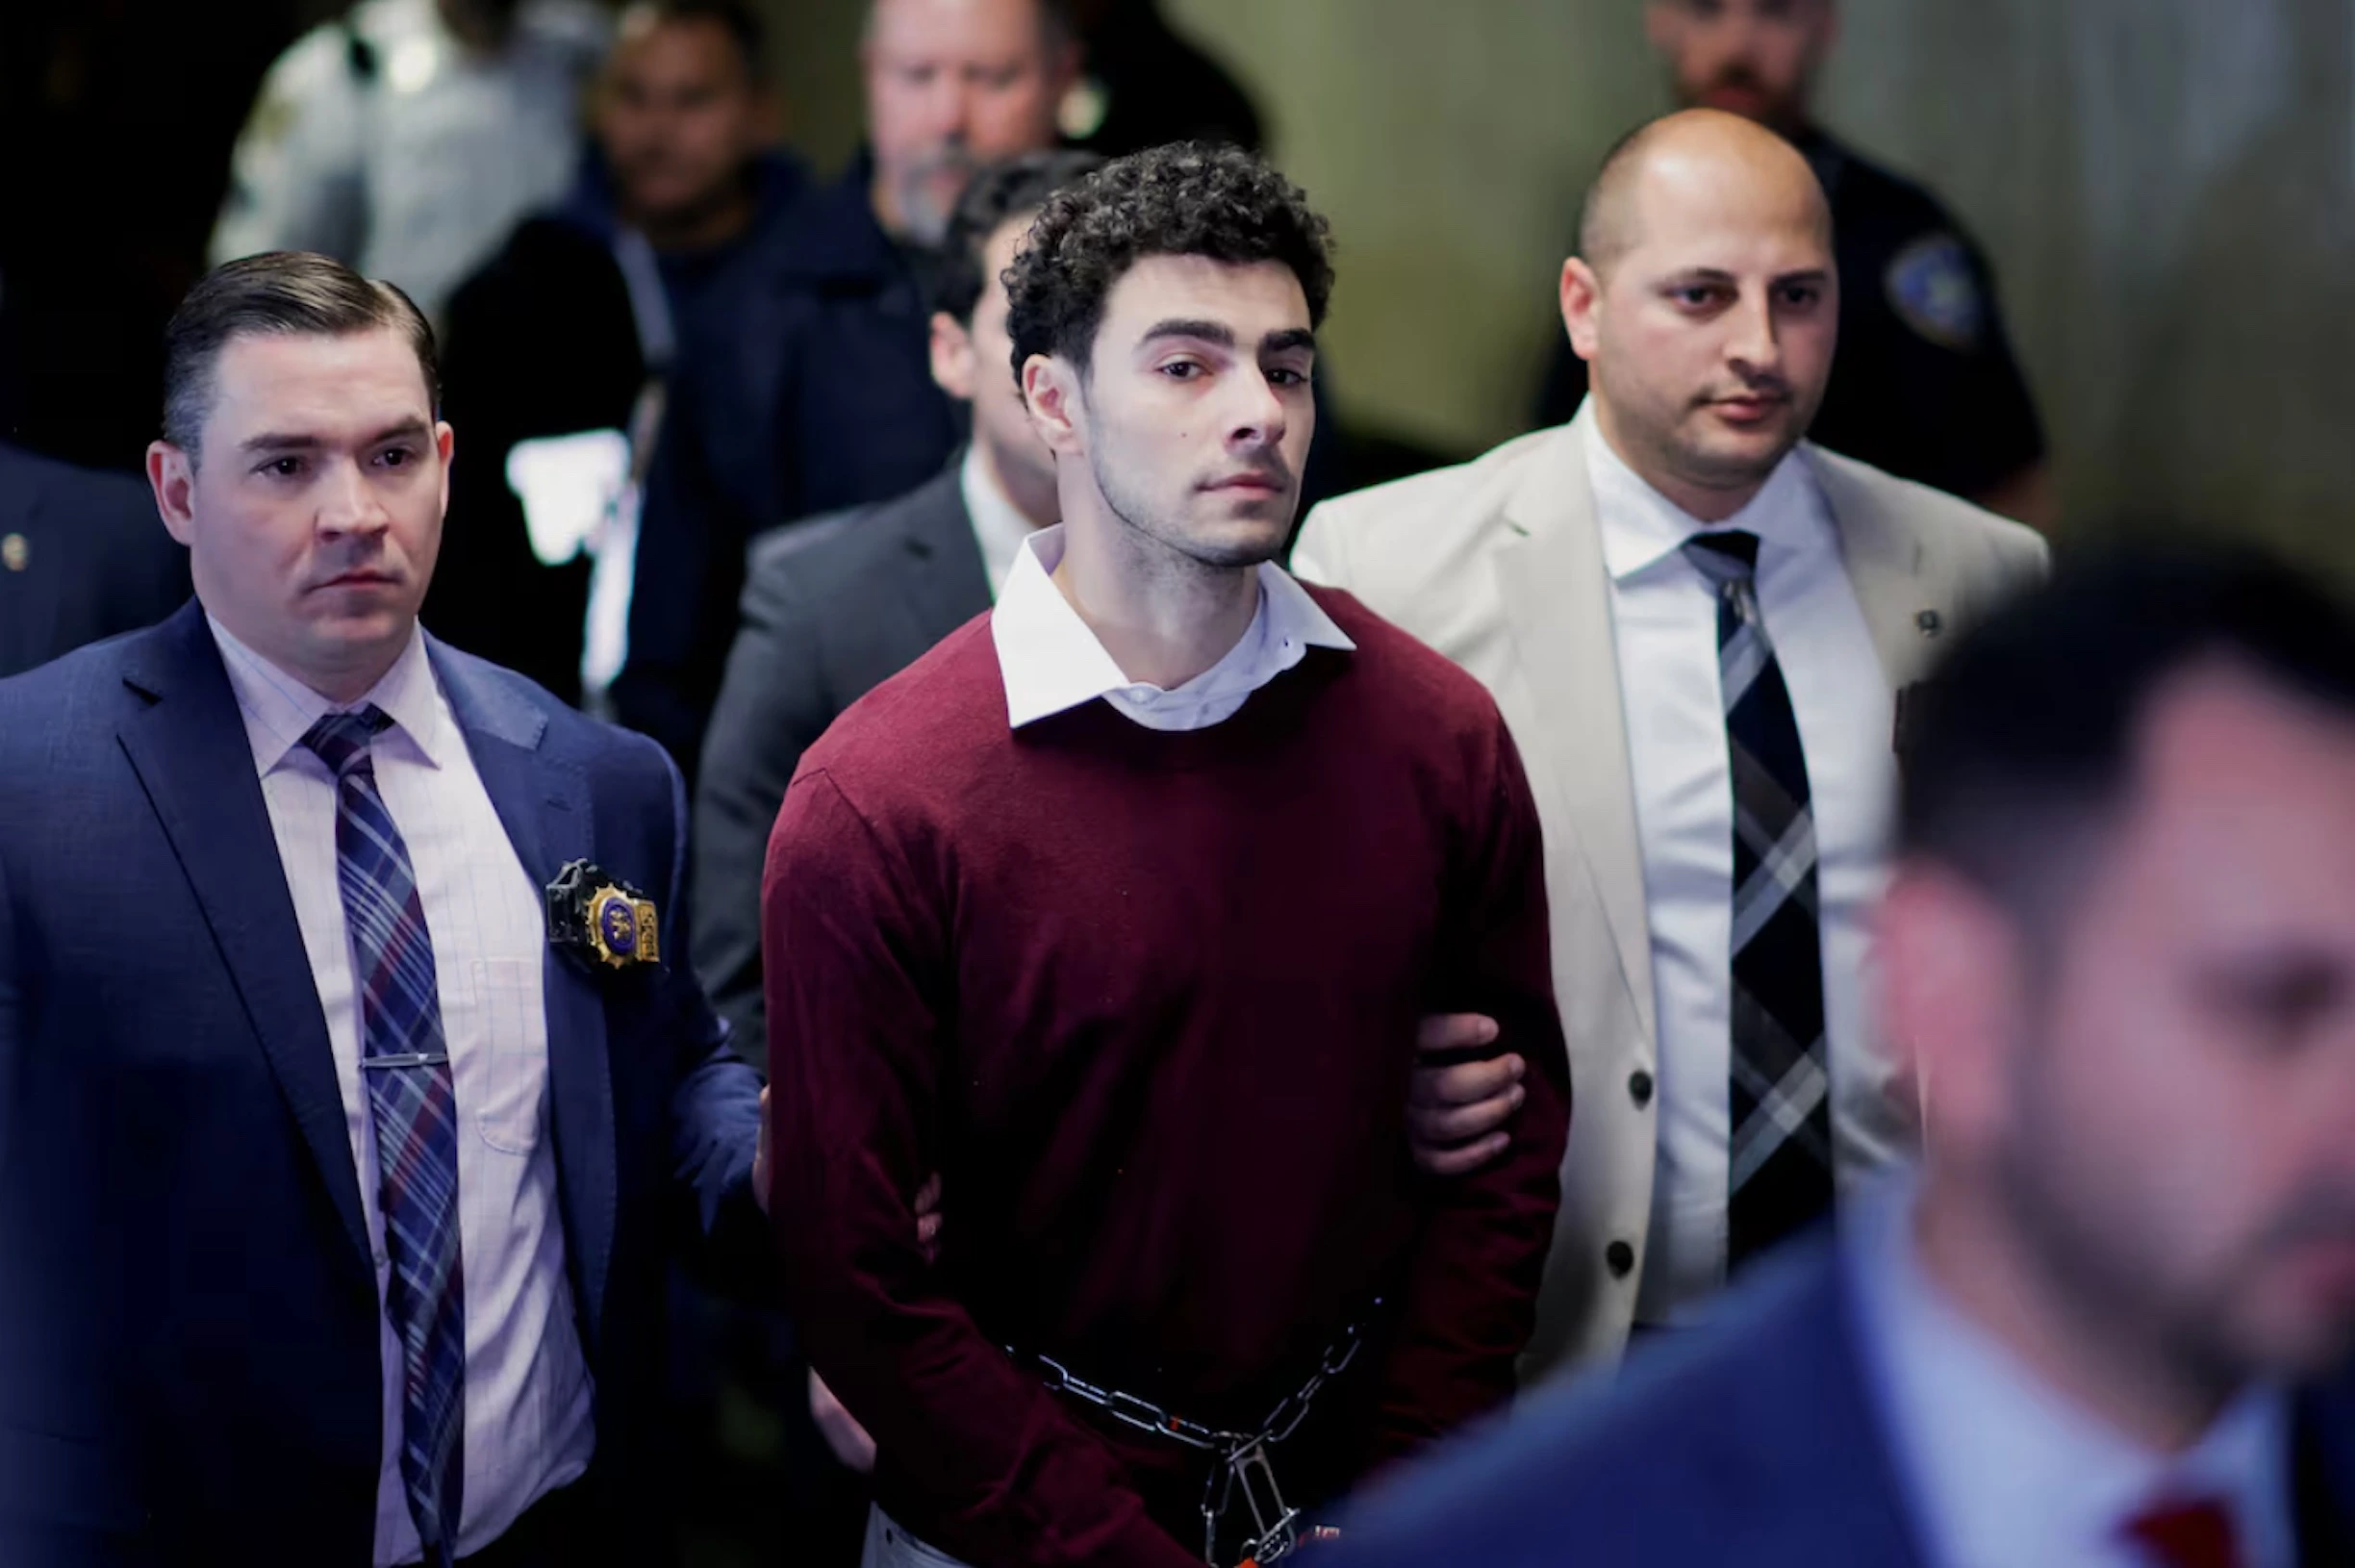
91 558
188 1353
1755 1441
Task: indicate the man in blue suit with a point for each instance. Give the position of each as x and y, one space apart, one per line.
2108 1323
351 1078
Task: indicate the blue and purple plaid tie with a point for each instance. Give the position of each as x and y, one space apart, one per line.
414 1107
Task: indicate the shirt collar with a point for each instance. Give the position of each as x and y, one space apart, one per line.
1051 662
999 525
279 709
1640 527
2002 1463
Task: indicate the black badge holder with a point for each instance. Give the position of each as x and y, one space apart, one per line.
603 920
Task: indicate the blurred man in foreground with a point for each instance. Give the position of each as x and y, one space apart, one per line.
1698 625
562 350
1925 385
2109 1324
817 393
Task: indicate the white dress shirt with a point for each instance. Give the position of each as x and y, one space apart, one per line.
1665 625
2001 1470
528 1427
1053 663
999 525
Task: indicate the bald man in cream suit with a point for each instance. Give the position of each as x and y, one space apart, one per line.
1699 628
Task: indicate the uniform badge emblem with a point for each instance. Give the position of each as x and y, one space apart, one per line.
1934 288
603 919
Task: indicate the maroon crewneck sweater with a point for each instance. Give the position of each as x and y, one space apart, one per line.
1147 1001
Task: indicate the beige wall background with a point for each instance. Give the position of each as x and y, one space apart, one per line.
2167 188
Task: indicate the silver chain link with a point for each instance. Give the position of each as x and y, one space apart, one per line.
1241 1456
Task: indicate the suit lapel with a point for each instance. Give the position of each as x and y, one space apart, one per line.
1905 609
1556 599
193 757
951 585
542 801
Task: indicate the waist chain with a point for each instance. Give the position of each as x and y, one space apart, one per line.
1241 1470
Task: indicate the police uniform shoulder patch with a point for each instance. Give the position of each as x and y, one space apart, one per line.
1934 289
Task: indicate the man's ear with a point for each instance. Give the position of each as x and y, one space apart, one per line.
173 479
953 357
1954 995
445 442
1050 391
1581 299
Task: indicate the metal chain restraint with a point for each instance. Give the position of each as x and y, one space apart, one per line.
1240 1459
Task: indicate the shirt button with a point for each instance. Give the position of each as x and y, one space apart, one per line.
1620 1259
1640 1087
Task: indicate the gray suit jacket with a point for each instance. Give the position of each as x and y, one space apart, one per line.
831 610
1498 565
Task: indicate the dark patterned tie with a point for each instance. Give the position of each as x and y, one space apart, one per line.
414 1107
1778 1170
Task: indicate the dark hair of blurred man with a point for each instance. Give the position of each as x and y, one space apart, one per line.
835 608
2109 1321
1167 1107
1925 385
818 395
562 349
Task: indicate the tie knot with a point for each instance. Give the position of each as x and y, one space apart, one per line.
2188 1532
1727 557
342 739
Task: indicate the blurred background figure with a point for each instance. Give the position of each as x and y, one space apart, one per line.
100 101
1146 84
408 137
835 609
817 393
82 555
561 350
2108 1325
1925 385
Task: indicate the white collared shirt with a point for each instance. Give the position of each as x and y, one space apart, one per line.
528 1426
1053 663
999 526
2003 1471
1665 625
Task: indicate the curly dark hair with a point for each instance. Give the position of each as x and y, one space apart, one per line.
1185 199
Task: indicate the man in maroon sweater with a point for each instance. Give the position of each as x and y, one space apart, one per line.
1120 909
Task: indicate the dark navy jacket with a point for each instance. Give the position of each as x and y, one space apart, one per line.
543 341
816 396
82 556
188 1350
1757 1440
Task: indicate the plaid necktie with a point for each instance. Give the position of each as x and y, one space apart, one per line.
2196 1534
414 1107
1779 1173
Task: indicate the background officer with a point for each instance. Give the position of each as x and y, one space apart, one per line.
408 137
